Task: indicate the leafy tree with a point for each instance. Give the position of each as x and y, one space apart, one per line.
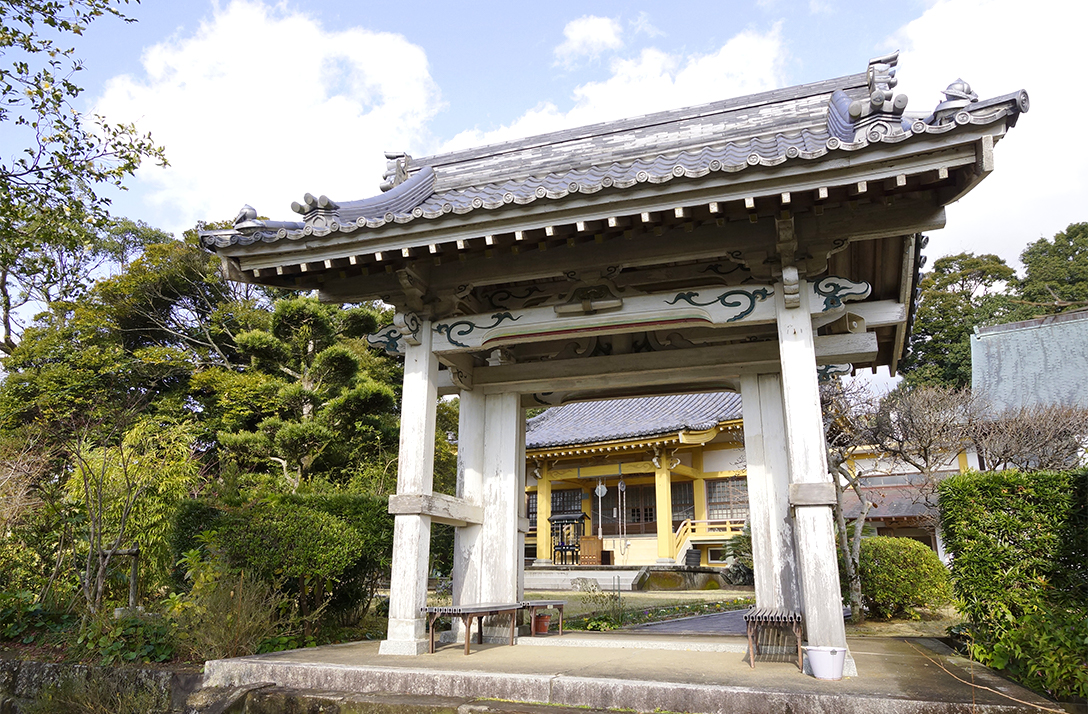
52 209
1056 272
126 490
961 292
329 411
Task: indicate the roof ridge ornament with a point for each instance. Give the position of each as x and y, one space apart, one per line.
854 120
958 95
396 169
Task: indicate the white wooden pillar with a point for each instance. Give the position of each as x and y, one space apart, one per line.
811 489
415 475
467 542
503 500
770 520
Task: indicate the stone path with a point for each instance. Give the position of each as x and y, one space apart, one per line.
718 623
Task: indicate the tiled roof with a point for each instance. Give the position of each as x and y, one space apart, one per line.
802 123
890 502
616 419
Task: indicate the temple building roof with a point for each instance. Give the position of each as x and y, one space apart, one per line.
577 246
584 423
809 122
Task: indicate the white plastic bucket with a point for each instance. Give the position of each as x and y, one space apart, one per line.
826 662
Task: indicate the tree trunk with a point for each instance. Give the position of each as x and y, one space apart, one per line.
304 602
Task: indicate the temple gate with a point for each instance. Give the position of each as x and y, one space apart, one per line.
745 245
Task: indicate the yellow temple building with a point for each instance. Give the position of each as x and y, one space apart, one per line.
636 481
663 480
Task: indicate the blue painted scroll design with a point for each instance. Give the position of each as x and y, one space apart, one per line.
387 338
409 325
745 299
827 372
835 290
463 328
497 298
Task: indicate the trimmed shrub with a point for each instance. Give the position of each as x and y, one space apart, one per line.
291 542
1020 548
1010 533
356 586
900 574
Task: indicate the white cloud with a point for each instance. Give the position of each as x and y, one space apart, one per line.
818 7
1041 170
653 81
588 36
260 105
643 26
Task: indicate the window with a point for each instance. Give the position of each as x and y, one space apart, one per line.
640 507
530 509
568 501
716 555
727 498
683 502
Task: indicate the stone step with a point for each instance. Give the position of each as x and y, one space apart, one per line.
561 579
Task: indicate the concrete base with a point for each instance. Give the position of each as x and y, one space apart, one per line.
618 671
404 647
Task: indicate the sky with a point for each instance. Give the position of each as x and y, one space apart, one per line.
260 102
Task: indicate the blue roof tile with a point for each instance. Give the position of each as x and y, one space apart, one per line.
615 419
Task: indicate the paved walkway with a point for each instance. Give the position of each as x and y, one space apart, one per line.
718 623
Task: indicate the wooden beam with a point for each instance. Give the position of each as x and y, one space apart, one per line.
440 507
707 242
697 365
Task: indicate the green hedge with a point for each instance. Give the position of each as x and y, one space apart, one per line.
347 538
900 574
1020 572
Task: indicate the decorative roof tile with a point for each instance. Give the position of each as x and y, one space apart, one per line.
801 123
584 423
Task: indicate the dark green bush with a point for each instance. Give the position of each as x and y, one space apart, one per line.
900 574
1009 532
291 542
1020 548
339 547
369 516
192 518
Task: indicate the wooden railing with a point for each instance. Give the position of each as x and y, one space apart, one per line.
723 528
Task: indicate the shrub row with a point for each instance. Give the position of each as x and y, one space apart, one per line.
1020 573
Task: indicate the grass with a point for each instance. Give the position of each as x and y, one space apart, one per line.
637 600
931 623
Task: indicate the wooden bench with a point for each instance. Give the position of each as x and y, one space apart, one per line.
468 613
533 605
758 618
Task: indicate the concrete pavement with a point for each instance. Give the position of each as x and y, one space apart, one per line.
645 672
